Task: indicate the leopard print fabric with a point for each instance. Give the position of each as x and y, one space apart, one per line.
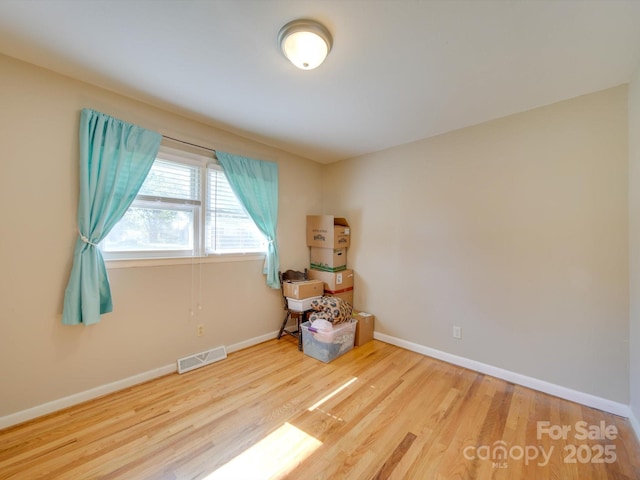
332 309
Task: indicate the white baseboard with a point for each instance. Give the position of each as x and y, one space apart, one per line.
251 342
534 383
76 398
634 423
552 389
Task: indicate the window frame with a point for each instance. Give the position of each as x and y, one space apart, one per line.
199 253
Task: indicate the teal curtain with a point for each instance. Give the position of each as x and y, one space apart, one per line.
255 183
115 158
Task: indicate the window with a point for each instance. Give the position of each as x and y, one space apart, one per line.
228 227
185 208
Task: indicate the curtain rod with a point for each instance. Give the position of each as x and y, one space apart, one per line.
189 143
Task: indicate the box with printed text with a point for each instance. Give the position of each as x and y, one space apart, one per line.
329 259
334 282
327 231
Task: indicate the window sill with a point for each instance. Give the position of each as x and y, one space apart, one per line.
160 262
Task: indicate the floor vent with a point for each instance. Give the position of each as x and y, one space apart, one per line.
201 359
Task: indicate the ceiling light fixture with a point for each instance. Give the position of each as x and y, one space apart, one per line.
306 43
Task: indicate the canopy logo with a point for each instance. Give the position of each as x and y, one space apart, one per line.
500 452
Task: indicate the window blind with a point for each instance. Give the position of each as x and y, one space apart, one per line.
229 229
172 182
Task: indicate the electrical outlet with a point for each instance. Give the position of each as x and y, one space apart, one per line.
200 330
457 332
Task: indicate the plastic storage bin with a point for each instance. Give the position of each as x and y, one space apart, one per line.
327 346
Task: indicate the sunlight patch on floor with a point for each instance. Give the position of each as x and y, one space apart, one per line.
332 394
273 457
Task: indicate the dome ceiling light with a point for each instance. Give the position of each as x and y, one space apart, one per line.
306 43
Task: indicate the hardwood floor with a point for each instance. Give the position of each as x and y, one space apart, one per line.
270 411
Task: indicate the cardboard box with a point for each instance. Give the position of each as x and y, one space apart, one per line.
347 295
364 327
334 282
329 259
326 346
327 231
303 289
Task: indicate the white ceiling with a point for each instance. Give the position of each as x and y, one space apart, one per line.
400 70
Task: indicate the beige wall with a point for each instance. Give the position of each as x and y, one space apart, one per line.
634 243
40 359
515 230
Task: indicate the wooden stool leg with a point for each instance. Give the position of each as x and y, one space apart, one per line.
284 324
